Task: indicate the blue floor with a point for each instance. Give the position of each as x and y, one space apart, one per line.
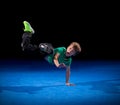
38 83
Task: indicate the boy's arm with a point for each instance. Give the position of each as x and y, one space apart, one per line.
62 65
68 76
56 62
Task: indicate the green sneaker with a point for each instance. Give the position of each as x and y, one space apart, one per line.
27 27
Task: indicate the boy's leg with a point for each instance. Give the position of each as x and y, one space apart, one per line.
26 38
46 48
26 42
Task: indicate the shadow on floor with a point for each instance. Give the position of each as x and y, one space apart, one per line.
25 89
107 86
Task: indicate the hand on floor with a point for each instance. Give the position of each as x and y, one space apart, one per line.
70 84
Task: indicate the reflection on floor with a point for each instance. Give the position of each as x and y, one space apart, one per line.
38 83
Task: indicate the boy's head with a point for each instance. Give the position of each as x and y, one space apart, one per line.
73 49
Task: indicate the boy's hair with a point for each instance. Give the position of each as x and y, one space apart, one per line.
76 47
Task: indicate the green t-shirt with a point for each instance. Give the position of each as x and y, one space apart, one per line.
62 58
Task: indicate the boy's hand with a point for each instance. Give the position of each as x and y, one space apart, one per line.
62 65
69 84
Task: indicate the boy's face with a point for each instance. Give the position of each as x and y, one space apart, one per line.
70 51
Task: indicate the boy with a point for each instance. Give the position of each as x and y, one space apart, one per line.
60 57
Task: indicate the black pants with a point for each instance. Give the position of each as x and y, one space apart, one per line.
43 48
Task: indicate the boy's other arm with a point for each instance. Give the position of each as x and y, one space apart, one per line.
56 62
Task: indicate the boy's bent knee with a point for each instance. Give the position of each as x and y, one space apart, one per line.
46 48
